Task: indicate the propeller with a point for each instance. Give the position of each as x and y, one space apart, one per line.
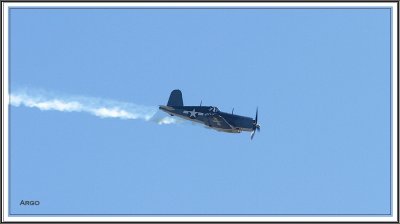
256 126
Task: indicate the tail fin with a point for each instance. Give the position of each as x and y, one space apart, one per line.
175 99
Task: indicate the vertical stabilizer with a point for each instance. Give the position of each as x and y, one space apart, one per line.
175 99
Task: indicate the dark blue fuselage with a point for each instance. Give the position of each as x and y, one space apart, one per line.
212 117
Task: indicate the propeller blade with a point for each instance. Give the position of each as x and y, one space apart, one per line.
252 134
256 126
257 115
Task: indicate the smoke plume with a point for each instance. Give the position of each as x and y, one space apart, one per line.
103 108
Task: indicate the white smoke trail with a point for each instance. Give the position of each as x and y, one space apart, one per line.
98 107
168 120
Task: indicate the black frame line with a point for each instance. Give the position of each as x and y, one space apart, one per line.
217 8
206 1
197 8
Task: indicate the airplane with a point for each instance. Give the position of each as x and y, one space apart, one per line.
210 116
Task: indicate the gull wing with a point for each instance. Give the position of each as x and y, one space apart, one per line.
217 121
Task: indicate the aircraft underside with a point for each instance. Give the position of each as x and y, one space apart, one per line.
208 125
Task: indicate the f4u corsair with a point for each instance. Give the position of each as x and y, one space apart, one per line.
210 116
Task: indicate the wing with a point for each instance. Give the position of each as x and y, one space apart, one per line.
217 121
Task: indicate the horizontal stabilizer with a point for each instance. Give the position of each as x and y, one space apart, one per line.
166 107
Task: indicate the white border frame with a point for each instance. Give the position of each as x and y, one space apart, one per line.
5 105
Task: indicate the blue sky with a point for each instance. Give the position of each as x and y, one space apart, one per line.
320 77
